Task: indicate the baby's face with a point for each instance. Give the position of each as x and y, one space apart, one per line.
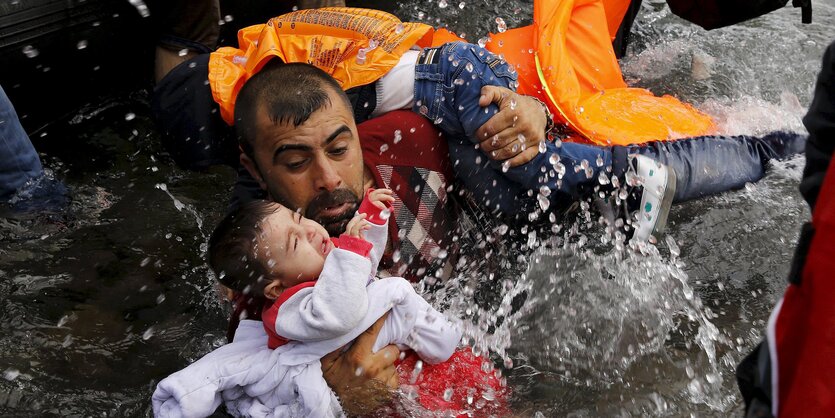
293 246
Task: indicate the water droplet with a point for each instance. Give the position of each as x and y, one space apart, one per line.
11 374
81 44
469 67
512 104
30 51
458 81
505 166
502 229
397 136
501 26
448 394
358 371
461 5
130 116
148 333
544 203
228 18
482 42
443 4
385 214
599 161
543 147
602 178
141 7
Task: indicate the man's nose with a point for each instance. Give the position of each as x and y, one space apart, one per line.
327 177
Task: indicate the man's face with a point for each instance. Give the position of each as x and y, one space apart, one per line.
315 168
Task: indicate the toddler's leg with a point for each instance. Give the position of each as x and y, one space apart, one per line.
713 164
448 82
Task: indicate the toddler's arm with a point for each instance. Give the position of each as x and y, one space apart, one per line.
377 206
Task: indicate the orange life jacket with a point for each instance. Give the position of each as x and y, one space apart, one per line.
564 58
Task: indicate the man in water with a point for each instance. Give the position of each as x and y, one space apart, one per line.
305 152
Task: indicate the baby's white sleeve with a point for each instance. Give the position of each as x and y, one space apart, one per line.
331 308
413 322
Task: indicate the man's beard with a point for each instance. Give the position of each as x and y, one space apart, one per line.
334 224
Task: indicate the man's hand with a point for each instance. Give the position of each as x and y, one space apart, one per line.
515 132
363 380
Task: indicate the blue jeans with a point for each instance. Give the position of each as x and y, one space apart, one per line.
448 82
709 165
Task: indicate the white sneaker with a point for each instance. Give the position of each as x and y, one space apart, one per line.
659 188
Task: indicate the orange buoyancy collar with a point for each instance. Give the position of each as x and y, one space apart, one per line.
355 46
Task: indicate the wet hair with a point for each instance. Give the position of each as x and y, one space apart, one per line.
289 93
233 246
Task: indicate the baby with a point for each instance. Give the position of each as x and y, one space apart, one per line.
316 284
322 294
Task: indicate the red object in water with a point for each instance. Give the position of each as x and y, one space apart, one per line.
458 385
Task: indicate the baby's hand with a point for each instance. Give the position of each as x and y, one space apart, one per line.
378 196
357 225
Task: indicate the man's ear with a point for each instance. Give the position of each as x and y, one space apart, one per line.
273 289
252 168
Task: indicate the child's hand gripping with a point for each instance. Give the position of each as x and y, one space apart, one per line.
380 200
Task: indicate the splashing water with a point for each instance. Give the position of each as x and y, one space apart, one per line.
141 7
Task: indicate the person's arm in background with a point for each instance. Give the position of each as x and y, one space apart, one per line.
23 181
19 162
820 122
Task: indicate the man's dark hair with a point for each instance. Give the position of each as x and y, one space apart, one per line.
289 93
232 248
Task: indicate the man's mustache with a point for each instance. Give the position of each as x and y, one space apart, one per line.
327 199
